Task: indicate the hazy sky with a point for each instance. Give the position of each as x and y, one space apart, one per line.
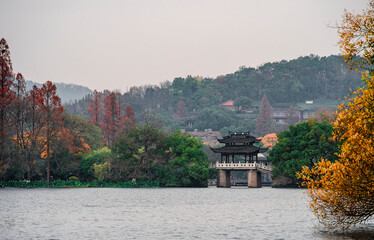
115 44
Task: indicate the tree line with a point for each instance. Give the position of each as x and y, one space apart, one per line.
191 102
34 129
39 141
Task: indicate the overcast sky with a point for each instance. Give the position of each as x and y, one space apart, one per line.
115 44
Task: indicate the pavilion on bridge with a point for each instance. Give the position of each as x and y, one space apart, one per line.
239 144
243 146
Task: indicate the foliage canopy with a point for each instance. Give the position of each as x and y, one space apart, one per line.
357 39
303 145
342 193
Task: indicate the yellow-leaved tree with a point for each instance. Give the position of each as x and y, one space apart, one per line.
342 192
357 39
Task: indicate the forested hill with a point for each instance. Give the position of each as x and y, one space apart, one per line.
67 92
305 78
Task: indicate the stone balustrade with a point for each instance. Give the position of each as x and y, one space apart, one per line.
244 166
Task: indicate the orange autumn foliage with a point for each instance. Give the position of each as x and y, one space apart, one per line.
73 143
357 39
76 145
269 140
342 193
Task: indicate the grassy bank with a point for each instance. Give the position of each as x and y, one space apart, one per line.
77 184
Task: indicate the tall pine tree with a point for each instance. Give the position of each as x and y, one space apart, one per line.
264 123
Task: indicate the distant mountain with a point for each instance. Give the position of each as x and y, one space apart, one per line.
66 91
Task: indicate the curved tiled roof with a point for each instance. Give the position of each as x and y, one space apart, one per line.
239 149
241 137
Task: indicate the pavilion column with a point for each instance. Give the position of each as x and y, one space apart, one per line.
223 179
254 179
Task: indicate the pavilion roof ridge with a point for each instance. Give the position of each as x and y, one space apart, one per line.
239 137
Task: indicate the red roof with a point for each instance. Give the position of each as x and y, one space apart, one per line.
228 103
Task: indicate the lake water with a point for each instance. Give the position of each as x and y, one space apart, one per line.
161 213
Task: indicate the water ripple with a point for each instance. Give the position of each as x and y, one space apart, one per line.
172 213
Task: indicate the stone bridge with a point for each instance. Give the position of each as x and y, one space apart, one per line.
254 172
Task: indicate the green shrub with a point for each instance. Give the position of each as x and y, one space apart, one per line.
74 179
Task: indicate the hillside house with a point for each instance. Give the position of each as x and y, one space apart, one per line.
229 105
280 115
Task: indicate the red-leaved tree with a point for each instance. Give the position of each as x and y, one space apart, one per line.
111 118
130 113
18 112
6 96
120 103
127 123
34 127
51 108
95 109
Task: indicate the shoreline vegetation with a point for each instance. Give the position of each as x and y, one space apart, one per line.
99 184
78 184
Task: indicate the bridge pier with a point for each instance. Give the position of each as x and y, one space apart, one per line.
254 179
255 171
223 179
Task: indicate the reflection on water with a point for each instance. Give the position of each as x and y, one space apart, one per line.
164 213
362 232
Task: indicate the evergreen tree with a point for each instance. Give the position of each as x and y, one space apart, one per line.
302 145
